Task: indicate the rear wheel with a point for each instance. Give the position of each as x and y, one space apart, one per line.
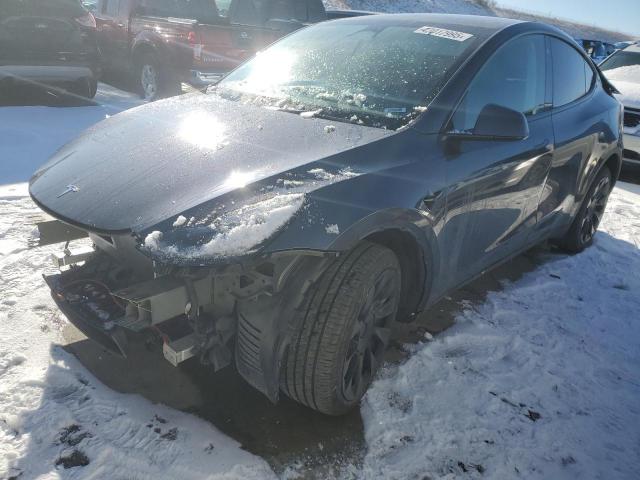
588 218
346 326
154 81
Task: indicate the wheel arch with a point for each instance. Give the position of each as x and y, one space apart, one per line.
142 47
410 235
614 164
415 265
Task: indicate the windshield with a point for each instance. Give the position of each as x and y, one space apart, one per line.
621 59
373 74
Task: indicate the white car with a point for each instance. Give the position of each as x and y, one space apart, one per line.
622 69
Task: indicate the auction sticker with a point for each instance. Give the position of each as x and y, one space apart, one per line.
444 33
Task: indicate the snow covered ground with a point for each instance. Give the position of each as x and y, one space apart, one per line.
56 420
541 380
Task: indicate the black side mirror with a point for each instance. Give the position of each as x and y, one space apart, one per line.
496 122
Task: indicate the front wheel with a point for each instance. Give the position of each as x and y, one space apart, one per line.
588 218
345 328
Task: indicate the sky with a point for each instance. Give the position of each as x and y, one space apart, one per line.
618 15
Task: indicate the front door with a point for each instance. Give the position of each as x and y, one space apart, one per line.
494 185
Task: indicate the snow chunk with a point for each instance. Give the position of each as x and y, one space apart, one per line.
322 174
329 129
180 221
332 229
239 231
242 230
310 114
152 240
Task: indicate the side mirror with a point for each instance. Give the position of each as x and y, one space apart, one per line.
496 122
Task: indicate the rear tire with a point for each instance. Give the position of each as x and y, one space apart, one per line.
346 323
153 80
587 220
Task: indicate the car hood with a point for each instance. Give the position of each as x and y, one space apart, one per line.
145 165
629 94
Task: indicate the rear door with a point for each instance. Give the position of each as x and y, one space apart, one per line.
578 126
494 186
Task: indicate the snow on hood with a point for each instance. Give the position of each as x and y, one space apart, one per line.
237 232
627 81
152 163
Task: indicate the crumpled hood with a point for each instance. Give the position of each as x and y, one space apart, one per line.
153 162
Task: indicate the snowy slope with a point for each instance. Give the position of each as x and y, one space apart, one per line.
468 7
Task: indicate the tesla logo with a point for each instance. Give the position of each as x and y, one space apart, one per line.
70 189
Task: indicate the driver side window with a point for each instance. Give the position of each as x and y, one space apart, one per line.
514 77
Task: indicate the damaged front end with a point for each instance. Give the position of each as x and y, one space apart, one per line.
214 313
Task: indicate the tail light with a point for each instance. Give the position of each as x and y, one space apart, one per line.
87 20
194 42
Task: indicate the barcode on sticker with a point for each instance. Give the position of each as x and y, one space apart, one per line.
444 33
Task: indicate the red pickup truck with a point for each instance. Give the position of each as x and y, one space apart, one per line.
165 42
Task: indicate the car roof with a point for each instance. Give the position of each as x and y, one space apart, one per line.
481 26
494 23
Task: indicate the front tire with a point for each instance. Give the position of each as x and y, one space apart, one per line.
588 218
346 324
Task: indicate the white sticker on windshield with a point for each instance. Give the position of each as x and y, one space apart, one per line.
444 33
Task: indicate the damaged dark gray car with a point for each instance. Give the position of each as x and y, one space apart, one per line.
346 178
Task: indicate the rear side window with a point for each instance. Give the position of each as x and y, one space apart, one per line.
514 77
572 75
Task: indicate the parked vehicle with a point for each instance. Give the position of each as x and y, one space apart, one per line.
623 70
166 42
596 49
621 45
49 43
346 178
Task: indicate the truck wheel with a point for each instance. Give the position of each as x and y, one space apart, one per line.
586 222
345 328
155 82
93 87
